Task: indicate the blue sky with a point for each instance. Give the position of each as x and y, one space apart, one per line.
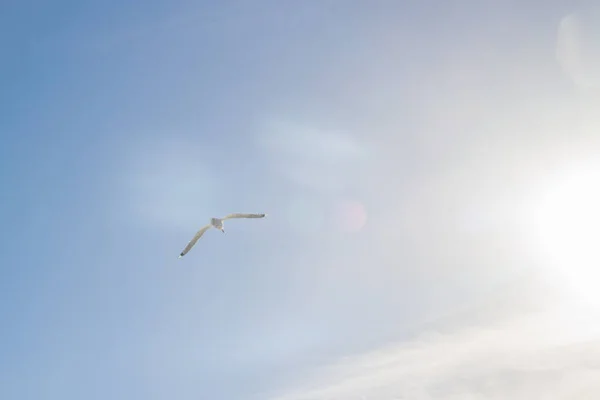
391 143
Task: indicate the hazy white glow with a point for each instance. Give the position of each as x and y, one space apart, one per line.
528 357
314 158
566 227
168 184
576 49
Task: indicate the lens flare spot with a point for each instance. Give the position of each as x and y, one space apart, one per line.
351 216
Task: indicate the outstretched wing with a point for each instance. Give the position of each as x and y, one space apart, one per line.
194 240
239 215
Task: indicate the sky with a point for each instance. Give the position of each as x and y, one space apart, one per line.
429 170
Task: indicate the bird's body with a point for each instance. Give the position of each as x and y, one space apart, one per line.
218 224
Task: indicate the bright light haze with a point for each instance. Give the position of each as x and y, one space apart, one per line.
430 169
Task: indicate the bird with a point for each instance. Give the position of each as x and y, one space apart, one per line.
218 224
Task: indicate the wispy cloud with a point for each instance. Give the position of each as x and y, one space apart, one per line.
327 160
541 356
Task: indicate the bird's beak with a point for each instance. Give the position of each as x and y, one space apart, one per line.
223 230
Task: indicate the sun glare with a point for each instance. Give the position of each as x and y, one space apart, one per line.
565 228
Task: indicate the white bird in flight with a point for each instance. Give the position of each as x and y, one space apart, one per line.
216 223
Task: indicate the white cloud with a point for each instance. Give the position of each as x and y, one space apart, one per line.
535 356
322 159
